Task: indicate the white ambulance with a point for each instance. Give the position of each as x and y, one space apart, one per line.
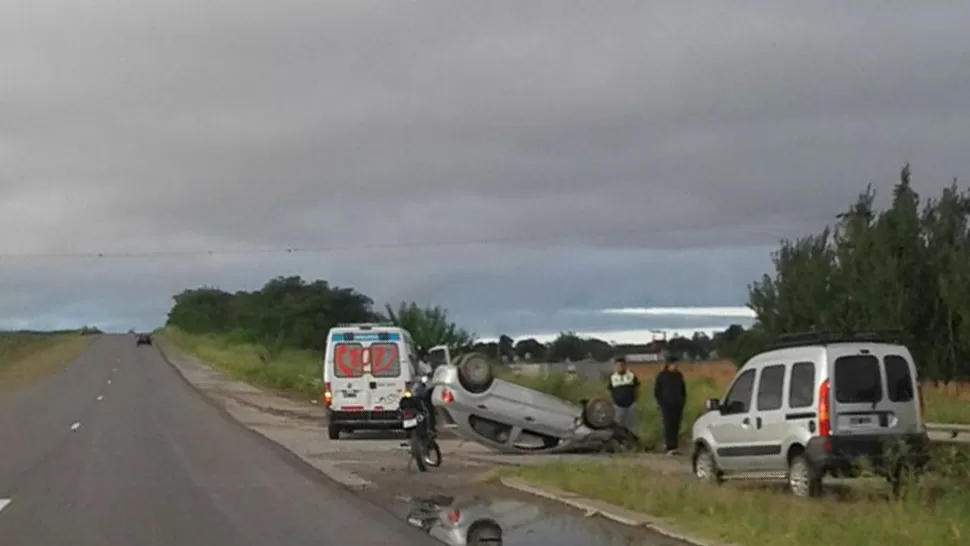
367 368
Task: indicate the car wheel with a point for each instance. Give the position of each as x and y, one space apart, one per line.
474 373
333 432
705 468
599 413
803 479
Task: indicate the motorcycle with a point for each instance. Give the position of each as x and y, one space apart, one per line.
415 412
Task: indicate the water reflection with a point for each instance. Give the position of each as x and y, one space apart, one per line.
480 521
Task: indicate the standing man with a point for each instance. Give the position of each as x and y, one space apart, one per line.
624 388
670 391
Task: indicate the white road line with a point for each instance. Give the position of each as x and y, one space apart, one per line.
109 381
114 369
100 398
4 503
76 426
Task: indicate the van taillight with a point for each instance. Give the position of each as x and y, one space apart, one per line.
824 417
327 394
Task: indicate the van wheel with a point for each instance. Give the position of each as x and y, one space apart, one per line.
705 468
474 373
598 413
333 432
803 479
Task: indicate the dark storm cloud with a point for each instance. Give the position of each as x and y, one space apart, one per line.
634 128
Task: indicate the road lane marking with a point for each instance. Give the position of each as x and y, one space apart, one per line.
100 398
76 426
114 369
4 503
109 381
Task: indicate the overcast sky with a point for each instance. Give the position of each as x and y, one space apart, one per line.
590 155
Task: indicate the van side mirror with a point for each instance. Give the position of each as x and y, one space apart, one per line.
712 404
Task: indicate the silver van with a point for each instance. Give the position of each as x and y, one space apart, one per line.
814 405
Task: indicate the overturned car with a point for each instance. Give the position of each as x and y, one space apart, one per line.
514 419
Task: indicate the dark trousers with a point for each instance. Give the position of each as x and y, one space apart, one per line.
672 416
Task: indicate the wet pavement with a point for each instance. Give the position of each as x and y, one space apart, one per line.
518 519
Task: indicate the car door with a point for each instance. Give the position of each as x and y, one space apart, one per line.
732 431
350 389
770 426
386 382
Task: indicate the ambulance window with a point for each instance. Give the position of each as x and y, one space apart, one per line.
385 360
348 360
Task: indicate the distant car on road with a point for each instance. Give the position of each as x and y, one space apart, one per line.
516 419
144 339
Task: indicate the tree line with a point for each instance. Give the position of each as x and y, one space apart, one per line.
903 268
291 312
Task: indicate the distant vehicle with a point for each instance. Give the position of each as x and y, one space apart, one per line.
144 339
367 369
512 418
813 406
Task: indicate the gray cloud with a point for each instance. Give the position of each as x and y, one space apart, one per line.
605 139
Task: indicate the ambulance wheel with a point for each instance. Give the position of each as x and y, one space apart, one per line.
474 373
333 432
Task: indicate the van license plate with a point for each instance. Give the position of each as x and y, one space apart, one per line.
410 423
859 421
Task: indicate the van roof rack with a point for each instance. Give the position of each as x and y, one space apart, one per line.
801 339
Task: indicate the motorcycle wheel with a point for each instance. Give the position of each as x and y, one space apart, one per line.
432 456
418 452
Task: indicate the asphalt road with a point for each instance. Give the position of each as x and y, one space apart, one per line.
118 449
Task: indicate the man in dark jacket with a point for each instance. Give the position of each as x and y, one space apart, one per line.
670 392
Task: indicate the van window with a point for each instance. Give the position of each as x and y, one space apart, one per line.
858 379
385 360
738 399
348 360
771 387
801 389
899 381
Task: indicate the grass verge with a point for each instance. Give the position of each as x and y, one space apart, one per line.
288 371
26 357
930 513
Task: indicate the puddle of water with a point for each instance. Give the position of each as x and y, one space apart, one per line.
480 521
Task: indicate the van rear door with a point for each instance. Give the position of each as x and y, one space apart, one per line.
865 404
350 383
387 381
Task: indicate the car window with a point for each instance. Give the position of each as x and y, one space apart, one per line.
738 399
348 360
801 388
899 381
385 360
858 379
771 386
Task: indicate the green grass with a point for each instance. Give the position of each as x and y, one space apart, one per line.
649 427
942 407
28 356
932 512
288 371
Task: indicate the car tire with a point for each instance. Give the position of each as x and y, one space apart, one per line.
803 479
474 373
333 432
705 467
599 413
